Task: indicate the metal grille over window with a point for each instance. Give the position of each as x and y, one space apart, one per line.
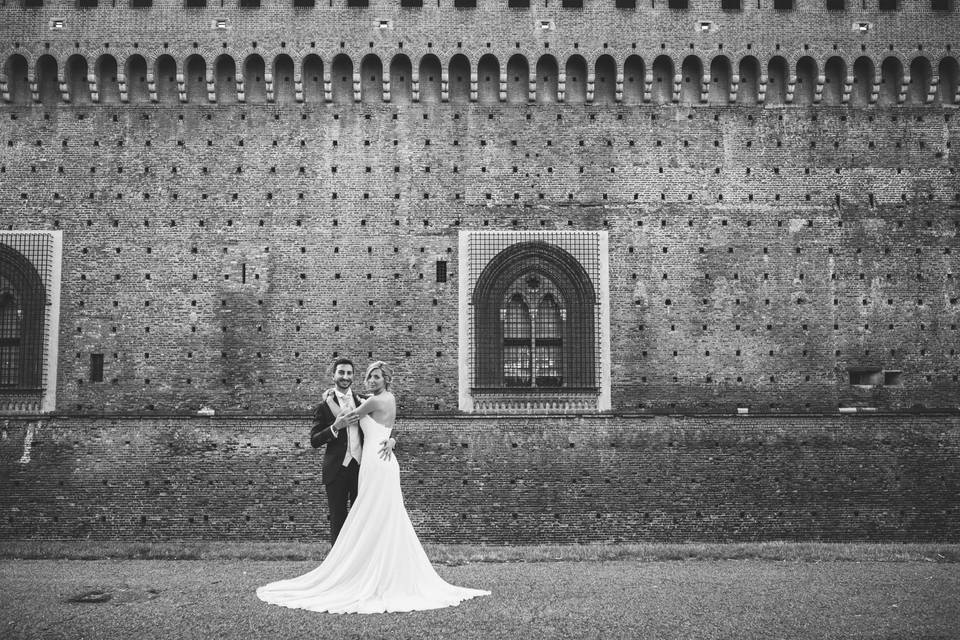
534 320
29 310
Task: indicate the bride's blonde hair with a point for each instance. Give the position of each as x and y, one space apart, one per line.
384 370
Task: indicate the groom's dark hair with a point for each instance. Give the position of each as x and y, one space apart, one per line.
339 361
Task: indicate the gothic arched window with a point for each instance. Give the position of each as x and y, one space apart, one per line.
535 324
22 300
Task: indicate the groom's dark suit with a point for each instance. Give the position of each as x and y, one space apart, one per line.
339 481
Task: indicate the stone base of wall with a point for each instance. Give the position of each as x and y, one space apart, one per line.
511 479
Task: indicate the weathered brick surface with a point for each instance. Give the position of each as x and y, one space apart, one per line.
220 254
496 480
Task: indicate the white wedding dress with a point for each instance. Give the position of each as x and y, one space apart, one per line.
377 563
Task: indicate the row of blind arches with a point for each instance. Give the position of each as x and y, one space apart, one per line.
311 80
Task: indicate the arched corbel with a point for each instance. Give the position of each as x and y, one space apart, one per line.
791 88
532 88
704 88
503 84
92 86
591 85
268 81
122 86
356 85
473 86
562 86
241 87
762 88
618 89
327 83
818 92
677 84
386 87
904 88
152 84
34 86
734 87
297 85
847 90
4 87
64 89
932 89
444 85
211 87
648 86
875 90
415 85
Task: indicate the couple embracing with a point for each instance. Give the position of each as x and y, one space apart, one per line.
377 563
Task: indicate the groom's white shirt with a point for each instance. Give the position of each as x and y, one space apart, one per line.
353 431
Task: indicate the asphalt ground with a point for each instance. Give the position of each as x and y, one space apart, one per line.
729 599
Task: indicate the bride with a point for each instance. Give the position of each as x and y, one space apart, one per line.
377 563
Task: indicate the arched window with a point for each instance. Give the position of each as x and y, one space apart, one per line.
863 74
138 90
341 79
518 80
719 80
891 77
284 85
662 89
22 300
77 83
488 79
401 79
920 73
431 76
313 79
107 85
166 76
806 86
371 79
691 76
532 322
535 320
17 80
776 81
225 80
605 80
547 72
535 312
576 87
949 78
195 79
517 342
749 80
634 80
835 75
459 79
48 84
255 80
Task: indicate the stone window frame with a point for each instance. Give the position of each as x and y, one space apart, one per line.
509 254
31 262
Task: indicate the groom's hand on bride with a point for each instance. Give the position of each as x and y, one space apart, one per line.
386 448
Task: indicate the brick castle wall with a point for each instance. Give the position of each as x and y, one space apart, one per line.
219 254
496 480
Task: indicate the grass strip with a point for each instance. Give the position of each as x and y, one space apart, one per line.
458 554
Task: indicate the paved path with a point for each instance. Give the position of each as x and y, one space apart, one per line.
729 599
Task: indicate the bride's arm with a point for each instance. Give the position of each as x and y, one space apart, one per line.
367 406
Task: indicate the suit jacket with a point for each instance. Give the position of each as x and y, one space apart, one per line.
322 434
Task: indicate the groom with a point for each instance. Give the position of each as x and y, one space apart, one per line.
341 462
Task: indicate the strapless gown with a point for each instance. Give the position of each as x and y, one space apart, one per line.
377 564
